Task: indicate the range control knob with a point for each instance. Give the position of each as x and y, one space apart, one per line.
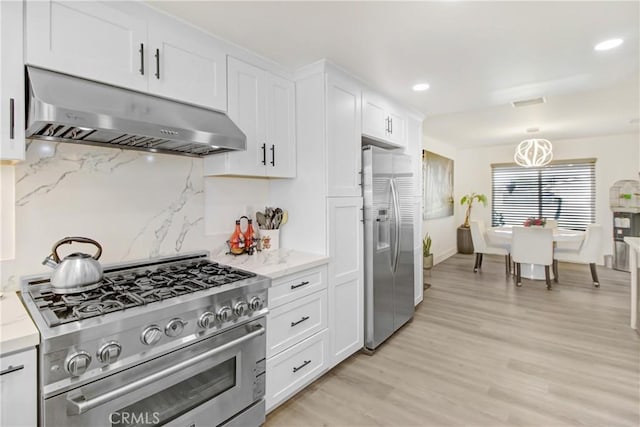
224 313
77 363
109 352
151 335
207 319
174 327
256 303
241 308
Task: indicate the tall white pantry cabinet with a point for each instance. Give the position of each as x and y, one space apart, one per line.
325 200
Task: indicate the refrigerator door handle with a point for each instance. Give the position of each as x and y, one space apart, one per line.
396 227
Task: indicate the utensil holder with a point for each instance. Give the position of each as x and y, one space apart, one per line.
270 240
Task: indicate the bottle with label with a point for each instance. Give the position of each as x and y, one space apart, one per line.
249 238
236 241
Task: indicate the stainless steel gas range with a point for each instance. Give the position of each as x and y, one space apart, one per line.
174 341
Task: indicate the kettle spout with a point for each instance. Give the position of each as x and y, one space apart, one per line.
50 262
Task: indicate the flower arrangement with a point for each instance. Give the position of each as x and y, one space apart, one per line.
536 222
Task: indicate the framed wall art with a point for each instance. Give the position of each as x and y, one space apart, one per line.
437 173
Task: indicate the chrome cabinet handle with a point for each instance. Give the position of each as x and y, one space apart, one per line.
264 154
297 368
273 155
299 285
78 405
386 125
141 58
11 369
390 125
299 321
12 118
157 64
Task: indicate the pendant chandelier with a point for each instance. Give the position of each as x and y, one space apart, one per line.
532 153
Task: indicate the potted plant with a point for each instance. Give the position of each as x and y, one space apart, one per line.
426 252
465 243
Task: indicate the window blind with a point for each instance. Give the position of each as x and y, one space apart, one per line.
564 191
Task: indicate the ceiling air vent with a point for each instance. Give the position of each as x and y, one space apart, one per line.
527 102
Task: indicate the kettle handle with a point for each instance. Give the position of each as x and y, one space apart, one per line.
69 240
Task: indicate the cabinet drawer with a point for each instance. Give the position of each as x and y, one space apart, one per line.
18 389
291 370
291 287
295 321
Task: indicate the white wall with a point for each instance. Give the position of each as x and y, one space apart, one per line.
443 230
617 158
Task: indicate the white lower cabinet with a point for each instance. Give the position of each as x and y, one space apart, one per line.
18 388
297 334
296 367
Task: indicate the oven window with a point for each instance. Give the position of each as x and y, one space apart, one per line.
178 399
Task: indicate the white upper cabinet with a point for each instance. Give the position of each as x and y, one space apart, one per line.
110 42
382 121
186 65
344 136
281 127
263 107
11 82
88 39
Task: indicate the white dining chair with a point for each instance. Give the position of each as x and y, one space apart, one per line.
482 245
531 245
589 252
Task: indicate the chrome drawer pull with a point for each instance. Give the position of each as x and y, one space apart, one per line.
296 369
297 286
299 321
11 369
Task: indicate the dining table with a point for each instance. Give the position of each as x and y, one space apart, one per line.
561 236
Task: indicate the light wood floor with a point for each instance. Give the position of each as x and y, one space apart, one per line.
481 352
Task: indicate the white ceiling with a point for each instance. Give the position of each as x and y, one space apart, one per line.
477 56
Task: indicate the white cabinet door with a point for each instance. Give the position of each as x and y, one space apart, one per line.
346 277
246 107
88 39
374 116
344 136
18 389
263 107
382 122
281 131
186 65
397 129
11 82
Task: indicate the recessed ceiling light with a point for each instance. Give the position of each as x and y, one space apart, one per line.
420 87
608 44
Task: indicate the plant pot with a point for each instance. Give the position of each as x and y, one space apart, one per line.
427 262
465 243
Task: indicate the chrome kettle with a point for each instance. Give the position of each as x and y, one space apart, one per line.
77 272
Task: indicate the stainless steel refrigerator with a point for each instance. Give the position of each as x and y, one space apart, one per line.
388 242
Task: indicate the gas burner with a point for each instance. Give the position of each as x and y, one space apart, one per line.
131 288
95 308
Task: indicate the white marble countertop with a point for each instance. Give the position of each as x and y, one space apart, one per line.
17 331
634 242
273 264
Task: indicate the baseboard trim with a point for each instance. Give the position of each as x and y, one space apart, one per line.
438 258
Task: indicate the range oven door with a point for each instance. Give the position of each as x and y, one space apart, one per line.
213 379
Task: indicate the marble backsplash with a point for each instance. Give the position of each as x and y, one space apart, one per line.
137 205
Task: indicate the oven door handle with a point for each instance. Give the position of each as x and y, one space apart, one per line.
78 405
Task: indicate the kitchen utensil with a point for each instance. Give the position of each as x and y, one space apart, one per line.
285 217
77 272
261 219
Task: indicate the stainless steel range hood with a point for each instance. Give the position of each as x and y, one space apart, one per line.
70 109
